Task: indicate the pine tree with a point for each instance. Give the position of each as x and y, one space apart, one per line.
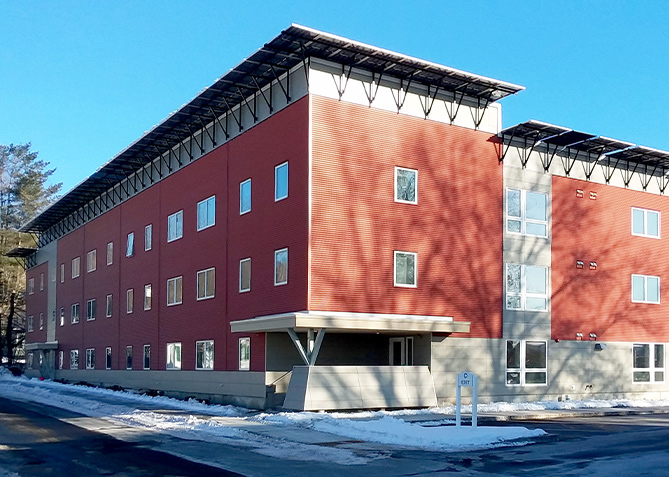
24 193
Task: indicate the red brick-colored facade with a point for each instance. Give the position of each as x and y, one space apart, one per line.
37 303
455 228
599 230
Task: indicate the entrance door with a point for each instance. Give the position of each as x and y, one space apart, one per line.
401 351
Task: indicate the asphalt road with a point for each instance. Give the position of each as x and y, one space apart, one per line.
32 443
35 440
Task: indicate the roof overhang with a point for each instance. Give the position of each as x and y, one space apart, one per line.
338 322
42 346
293 46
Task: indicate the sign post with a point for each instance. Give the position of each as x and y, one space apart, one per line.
468 380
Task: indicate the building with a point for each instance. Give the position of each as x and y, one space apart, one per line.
331 225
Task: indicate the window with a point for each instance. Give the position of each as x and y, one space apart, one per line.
205 284
245 197
30 360
62 316
62 273
31 286
174 291
206 213
645 222
41 321
74 313
148 237
281 181
90 358
281 267
129 300
30 323
175 226
204 354
52 274
526 212
147 357
61 359
74 359
648 363
76 267
405 269
526 287
245 275
173 356
645 289
109 307
110 253
91 261
41 282
147 297
90 309
406 185
128 357
108 358
526 363
244 354
130 245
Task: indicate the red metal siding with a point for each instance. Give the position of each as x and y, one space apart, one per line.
37 303
269 226
599 301
456 228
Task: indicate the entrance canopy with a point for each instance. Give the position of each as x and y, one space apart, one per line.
350 323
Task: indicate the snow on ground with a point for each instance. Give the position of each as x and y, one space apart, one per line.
238 426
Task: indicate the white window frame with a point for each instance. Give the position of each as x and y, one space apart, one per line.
31 320
108 358
204 273
61 359
91 261
173 362
523 219
62 273
74 359
202 365
31 286
144 354
41 321
62 316
110 253
76 267
415 269
206 204
523 369
129 301
148 237
242 186
396 190
277 198
41 282
523 294
109 306
175 226
652 368
74 313
645 289
130 245
241 281
90 358
646 212
276 254
128 354
147 297
244 360
176 283
91 309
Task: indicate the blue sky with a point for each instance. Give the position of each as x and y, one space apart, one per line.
82 80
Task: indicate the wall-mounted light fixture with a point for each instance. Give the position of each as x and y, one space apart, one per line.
593 336
579 263
600 346
593 265
579 193
579 336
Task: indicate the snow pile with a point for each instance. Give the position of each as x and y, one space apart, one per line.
395 431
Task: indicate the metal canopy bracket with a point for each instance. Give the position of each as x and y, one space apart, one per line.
309 355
